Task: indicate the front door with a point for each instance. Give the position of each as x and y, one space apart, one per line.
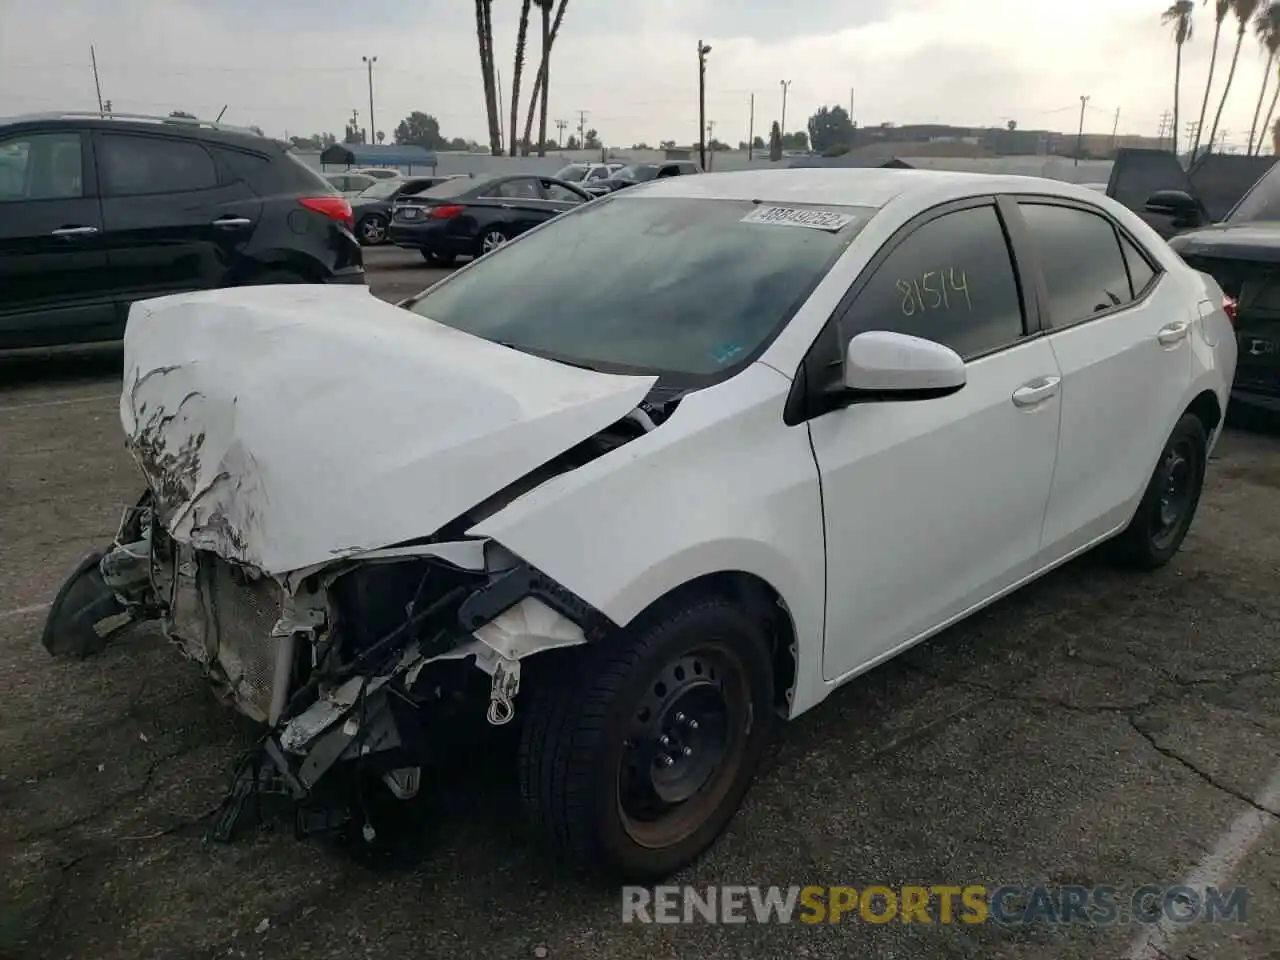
1122 337
934 506
171 224
54 283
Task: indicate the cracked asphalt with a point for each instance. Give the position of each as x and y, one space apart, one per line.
1097 728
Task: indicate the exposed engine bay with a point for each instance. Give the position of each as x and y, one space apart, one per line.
370 661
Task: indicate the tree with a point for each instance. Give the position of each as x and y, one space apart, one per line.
592 141
830 126
352 134
758 143
1271 110
327 140
541 88
1179 15
798 141
1012 125
381 137
484 37
183 114
1220 10
775 143
572 144
522 36
641 146
1267 28
667 145
1244 11
420 129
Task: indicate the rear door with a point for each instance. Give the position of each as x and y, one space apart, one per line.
520 205
174 222
1120 331
559 197
54 282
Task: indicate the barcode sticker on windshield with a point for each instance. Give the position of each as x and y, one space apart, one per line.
800 217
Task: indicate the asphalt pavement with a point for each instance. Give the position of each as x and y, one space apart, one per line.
1096 728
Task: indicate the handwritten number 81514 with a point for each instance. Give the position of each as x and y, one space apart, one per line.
935 290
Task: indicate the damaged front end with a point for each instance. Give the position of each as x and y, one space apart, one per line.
370 665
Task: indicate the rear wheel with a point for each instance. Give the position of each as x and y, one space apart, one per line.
372 230
1169 505
636 764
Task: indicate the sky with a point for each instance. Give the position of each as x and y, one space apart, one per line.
294 66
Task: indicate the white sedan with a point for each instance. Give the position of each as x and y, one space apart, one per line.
783 426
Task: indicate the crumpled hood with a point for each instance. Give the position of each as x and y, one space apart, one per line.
288 426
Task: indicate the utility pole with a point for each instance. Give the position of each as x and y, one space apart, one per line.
561 126
498 74
1115 130
373 126
751 129
851 104
782 124
93 58
1193 128
582 129
1080 132
1163 131
703 50
711 125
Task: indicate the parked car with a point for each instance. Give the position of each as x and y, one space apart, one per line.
96 213
380 173
351 185
585 173
1242 253
654 474
641 173
372 208
473 215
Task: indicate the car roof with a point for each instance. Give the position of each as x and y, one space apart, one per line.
196 129
853 186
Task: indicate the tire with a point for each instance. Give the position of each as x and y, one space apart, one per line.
584 762
440 259
488 240
265 277
372 230
1169 504
82 603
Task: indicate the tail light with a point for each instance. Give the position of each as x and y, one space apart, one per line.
1229 307
335 208
446 212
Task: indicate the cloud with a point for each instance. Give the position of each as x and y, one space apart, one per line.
295 64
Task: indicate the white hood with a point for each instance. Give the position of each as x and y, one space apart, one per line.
288 426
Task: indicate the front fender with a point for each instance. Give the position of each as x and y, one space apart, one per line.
722 486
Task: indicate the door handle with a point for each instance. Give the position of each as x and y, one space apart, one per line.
75 231
1172 333
229 223
1036 392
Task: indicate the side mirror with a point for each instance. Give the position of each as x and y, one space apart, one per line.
880 365
1175 203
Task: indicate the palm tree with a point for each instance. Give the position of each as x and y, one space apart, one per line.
1267 27
1180 16
1271 112
541 90
1244 11
522 37
1220 10
484 36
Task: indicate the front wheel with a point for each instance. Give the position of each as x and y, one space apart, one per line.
1169 504
636 763
372 230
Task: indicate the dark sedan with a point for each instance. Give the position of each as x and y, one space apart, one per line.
471 216
640 173
372 208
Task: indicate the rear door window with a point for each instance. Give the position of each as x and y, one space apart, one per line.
1080 258
133 166
951 281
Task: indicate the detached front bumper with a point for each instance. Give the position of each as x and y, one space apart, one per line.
338 683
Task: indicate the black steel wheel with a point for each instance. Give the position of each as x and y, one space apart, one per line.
637 762
1168 506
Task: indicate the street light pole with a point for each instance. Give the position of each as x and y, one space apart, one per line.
1080 132
373 127
782 127
703 50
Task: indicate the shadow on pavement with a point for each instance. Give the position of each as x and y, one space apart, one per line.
64 367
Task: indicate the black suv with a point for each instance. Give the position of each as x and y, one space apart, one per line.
97 212
640 173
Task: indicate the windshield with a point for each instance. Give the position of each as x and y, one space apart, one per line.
381 190
1262 202
574 173
680 287
638 172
